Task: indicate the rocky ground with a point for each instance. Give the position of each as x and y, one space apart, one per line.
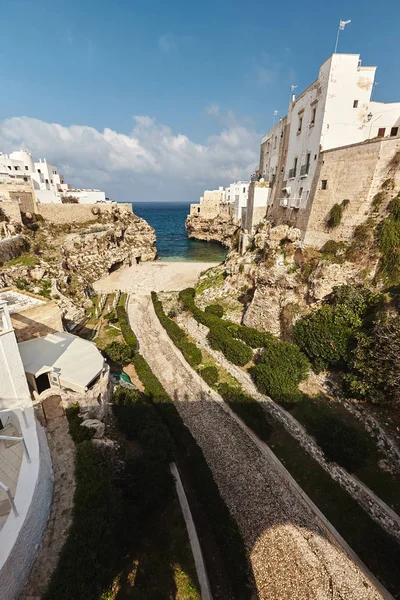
63 261
220 229
291 553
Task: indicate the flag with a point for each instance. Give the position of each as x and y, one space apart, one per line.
342 24
293 87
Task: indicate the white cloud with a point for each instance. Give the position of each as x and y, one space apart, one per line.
213 110
167 42
150 163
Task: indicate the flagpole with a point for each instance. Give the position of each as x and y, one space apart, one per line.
337 37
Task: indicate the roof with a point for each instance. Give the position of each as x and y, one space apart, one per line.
18 301
74 359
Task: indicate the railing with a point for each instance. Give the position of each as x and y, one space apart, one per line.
304 170
292 173
295 202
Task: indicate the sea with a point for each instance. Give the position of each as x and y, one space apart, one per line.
173 244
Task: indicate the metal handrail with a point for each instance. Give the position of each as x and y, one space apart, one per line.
9 497
18 439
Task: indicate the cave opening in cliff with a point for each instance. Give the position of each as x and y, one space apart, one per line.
115 266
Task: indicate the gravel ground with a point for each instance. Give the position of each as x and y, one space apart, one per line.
292 555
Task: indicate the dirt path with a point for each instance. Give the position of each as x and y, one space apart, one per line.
291 553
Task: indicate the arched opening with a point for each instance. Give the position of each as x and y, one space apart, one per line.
42 382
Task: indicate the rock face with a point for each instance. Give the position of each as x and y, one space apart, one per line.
220 229
67 259
276 280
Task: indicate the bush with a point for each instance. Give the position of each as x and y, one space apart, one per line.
341 442
282 367
77 432
222 524
189 350
326 337
215 309
388 234
248 409
119 353
235 351
210 375
127 333
250 336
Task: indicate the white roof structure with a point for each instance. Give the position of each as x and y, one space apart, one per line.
76 361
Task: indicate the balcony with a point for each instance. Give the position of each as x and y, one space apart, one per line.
304 170
295 203
284 202
292 173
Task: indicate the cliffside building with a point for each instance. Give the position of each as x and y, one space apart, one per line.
48 184
209 205
236 194
333 136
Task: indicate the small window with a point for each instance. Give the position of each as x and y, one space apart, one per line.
394 131
198 209
355 104
300 192
275 140
9 167
324 184
381 132
26 168
244 190
39 171
47 181
300 123
51 181
25 179
313 114
16 168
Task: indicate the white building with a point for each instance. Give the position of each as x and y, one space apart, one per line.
48 184
334 111
25 469
236 193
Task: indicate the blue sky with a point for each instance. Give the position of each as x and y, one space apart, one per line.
204 78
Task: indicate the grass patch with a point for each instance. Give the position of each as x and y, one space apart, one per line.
24 260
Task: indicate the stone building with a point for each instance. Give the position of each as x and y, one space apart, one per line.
209 205
297 156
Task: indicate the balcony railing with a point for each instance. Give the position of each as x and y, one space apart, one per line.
295 202
292 173
304 170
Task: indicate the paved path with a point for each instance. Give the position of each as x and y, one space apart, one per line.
62 451
368 500
292 554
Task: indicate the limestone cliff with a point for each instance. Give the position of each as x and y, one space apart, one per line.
219 229
64 260
277 279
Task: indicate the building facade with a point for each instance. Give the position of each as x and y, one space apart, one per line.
48 184
236 194
335 111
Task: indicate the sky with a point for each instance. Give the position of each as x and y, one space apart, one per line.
156 100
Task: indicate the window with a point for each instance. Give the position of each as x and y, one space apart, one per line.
25 179
295 164
313 114
26 168
16 168
381 132
394 131
39 171
355 104
47 181
300 192
244 190
9 167
324 184
198 209
300 123
275 140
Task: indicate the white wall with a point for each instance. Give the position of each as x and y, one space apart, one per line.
14 390
87 196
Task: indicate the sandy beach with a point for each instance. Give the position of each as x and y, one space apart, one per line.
158 276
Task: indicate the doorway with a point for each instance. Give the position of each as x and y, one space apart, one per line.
42 382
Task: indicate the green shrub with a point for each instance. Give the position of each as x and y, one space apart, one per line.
77 432
210 375
336 214
119 353
250 336
215 309
126 330
189 350
235 351
248 409
281 368
326 337
222 524
111 317
341 442
388 234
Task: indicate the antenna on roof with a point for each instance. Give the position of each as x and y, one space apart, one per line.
275 115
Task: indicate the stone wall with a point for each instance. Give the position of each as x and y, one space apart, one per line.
355 173
11 210
61 214
19 191
37 321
